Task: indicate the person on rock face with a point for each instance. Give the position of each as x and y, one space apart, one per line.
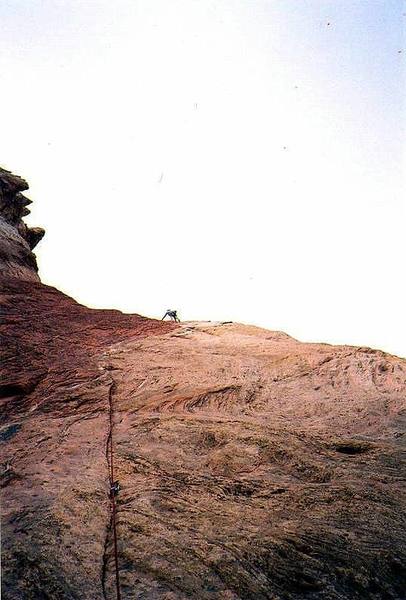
172 314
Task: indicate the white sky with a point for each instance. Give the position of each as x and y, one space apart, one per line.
234 159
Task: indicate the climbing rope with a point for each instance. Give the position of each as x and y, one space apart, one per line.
113 489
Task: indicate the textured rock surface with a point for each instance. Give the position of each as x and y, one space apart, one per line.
252 466
16 239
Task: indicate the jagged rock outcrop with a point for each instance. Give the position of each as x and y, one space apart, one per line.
251 465
16 239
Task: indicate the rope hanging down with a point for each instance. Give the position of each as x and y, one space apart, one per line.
114 488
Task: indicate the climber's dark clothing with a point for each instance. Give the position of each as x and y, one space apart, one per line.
172 314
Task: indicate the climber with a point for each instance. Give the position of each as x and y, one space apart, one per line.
172 314
114 488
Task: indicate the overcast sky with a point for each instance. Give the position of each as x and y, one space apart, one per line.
234 159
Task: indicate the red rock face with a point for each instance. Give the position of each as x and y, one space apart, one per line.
251 465
55 407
